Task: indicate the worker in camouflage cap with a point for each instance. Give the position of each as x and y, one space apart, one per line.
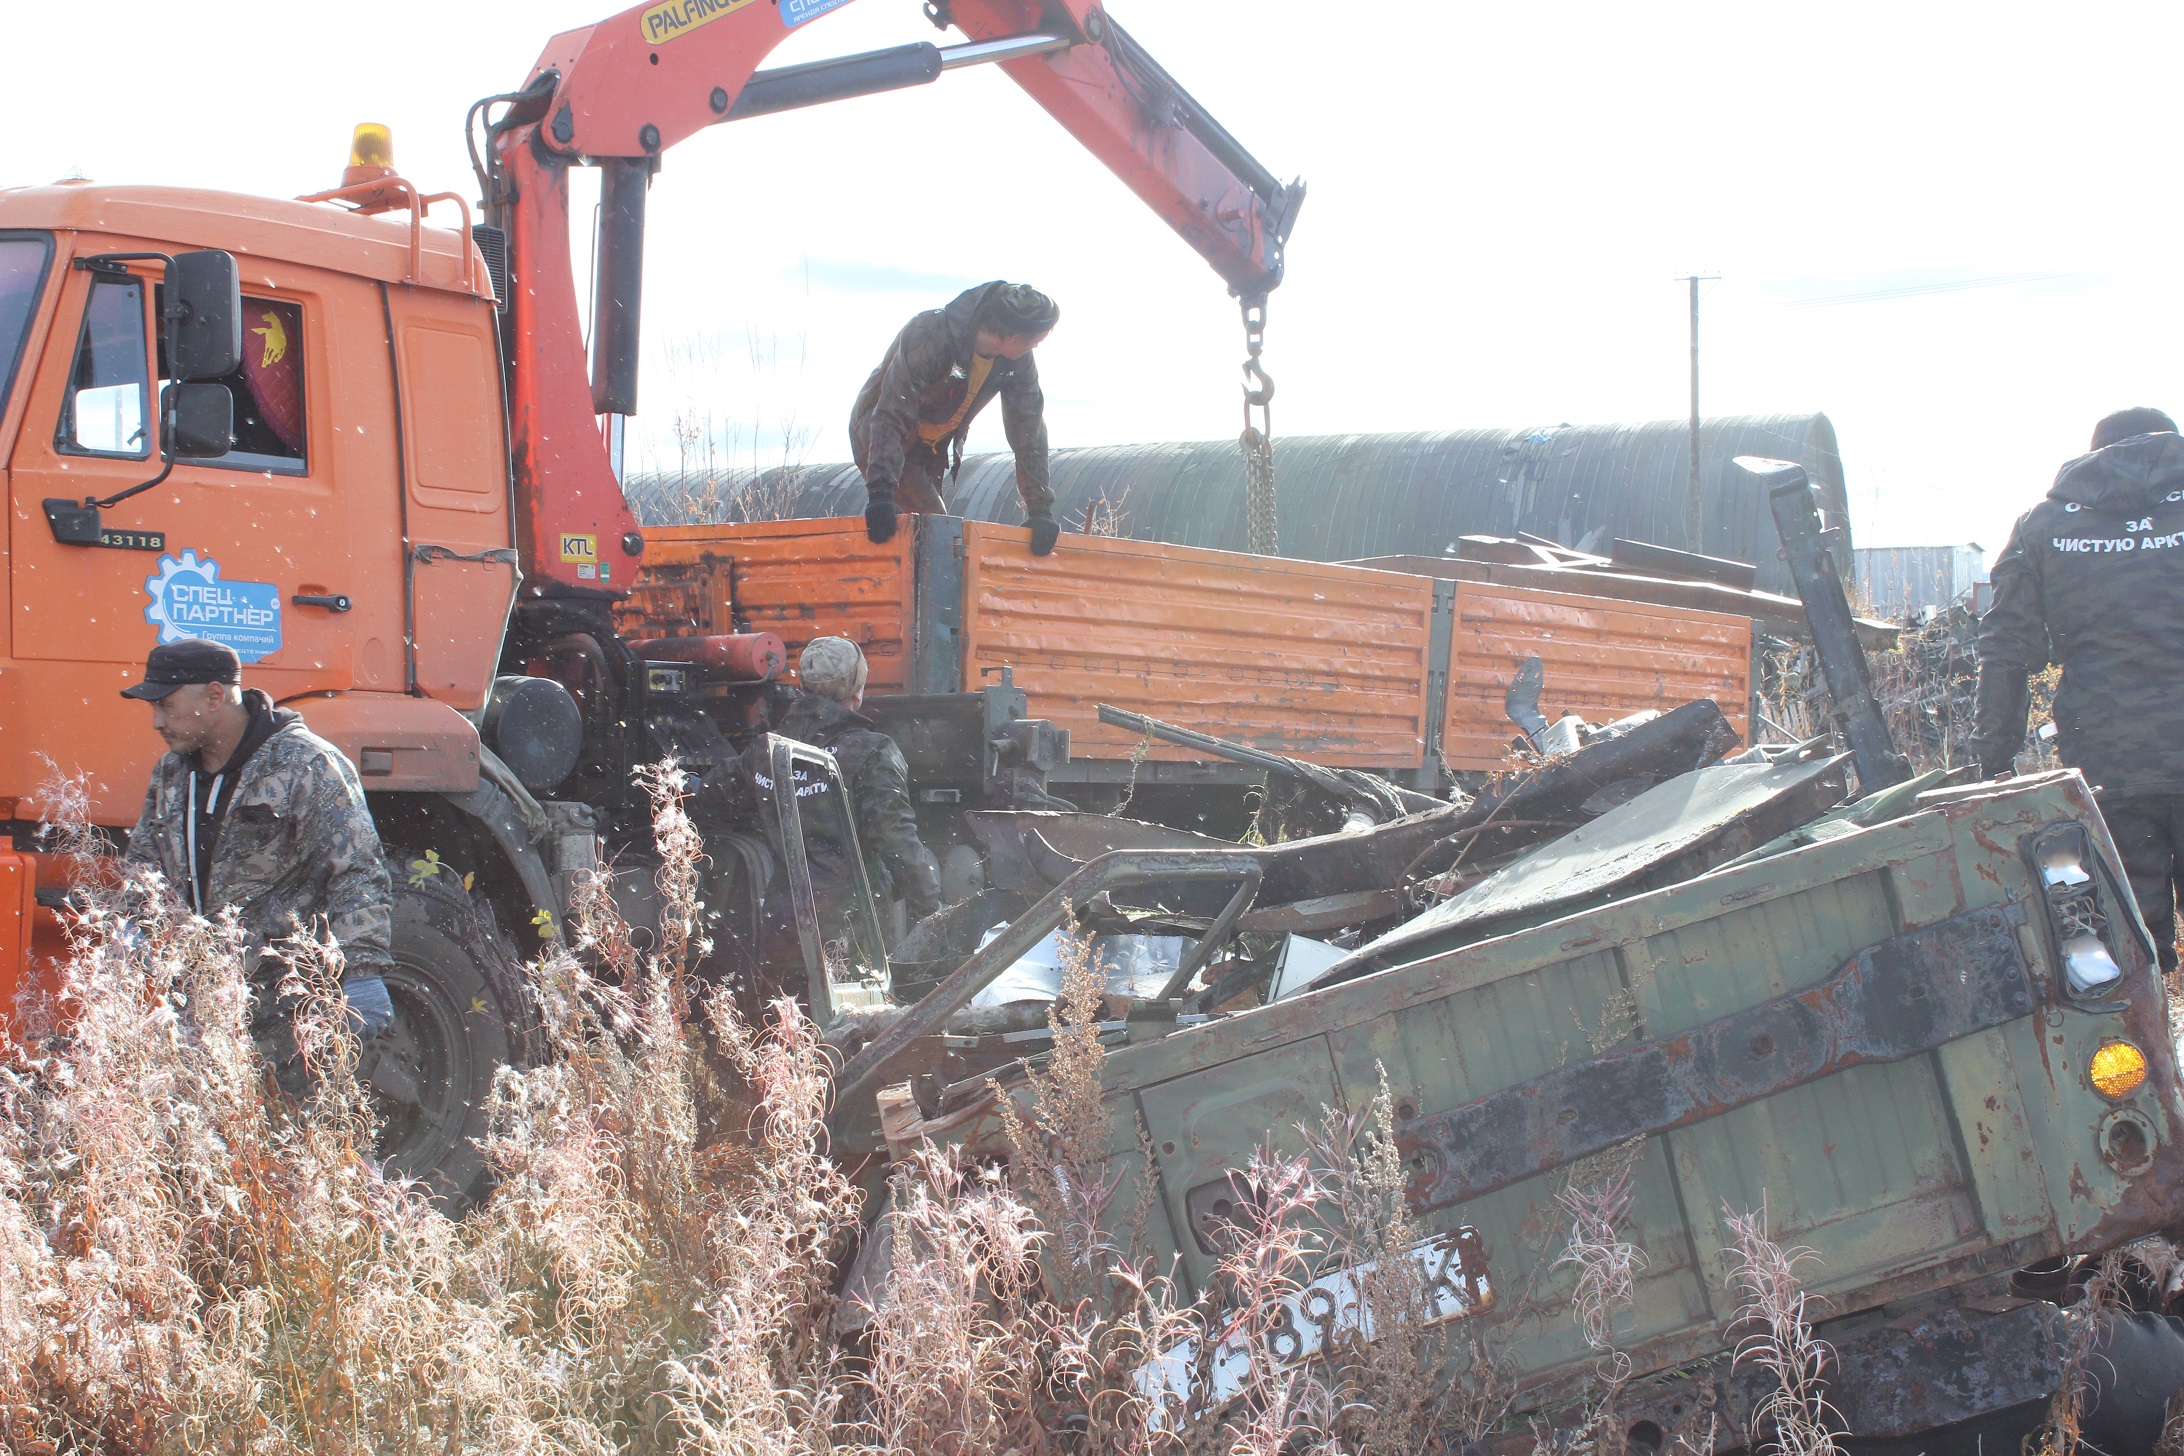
832 673
822 711
2093 579
906 429
834 668
250 809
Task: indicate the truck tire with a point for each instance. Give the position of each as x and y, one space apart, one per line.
461 1012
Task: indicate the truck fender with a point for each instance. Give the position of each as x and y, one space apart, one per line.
497 812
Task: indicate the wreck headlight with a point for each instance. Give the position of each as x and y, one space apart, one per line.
2062 867
2118 1070
2088 966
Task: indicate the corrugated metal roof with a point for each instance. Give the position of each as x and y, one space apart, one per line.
1345 496
1897 581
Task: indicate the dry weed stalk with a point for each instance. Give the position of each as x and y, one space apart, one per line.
1267 1251
1795 1416
1107 1309
2171 1440
1607 1264
1596 1200
1060 1145
2133 1276
955 1364
1383 1379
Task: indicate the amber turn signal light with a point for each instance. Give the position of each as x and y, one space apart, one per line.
2118 1069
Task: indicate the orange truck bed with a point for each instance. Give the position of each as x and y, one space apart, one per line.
1343 665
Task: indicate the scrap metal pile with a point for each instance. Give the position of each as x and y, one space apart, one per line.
1190 928
1801 968
1347 872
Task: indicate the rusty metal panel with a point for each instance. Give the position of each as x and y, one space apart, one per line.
1605 659
801 579
1193 1121
1321 661
1907 1177
1865 1167
1912 993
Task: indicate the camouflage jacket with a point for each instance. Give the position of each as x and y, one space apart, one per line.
297 846
878 780
2093 579
922 380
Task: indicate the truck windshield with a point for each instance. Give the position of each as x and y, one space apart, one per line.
22 270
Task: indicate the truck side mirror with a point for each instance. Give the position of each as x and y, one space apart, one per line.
204 319
200 420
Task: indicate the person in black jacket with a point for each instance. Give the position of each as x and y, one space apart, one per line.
2093 579
823 713
915 409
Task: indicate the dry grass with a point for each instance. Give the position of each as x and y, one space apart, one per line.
1926 687
189 1263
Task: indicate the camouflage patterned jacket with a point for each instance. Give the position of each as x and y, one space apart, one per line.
897 863
921 381
2093 579
297 846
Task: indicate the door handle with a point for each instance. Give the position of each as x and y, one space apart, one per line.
331 601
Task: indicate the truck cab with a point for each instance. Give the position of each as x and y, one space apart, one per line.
354 547
368 432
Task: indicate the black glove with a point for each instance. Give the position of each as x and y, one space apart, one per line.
879 512
1045 531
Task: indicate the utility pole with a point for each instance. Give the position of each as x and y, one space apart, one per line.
1692 524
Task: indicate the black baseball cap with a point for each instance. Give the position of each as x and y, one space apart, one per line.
178 664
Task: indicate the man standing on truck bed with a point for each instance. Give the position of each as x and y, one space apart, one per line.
938 374
2093 579
248 808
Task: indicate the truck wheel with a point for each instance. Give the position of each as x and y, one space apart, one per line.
461 1012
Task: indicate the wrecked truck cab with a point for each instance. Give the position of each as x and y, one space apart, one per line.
1875 1038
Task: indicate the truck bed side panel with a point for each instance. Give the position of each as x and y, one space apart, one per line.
1321 661
801 579
1604 660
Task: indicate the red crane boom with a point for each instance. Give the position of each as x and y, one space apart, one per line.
618 94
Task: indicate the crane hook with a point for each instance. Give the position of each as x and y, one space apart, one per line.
1258 384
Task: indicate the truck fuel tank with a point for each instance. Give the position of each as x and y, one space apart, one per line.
736 656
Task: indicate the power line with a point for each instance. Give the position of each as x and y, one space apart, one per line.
1915 290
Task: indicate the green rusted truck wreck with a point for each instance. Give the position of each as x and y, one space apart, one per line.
1924 1033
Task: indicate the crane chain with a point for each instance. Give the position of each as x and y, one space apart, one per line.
1257 440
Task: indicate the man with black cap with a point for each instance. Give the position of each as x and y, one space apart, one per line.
912 414
2093 579
248 808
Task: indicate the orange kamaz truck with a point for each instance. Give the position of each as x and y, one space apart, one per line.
355 436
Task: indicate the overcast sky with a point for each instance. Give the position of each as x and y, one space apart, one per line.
1951 227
